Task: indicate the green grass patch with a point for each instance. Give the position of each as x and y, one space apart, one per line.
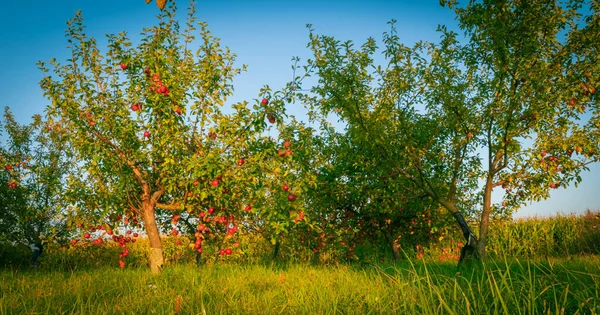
569 286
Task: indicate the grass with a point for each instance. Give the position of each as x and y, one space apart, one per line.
565 286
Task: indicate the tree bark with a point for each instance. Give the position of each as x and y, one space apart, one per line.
392 243
156 251
485 218
276 250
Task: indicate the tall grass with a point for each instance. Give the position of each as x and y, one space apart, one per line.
507 287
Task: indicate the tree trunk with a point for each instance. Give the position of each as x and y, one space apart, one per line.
156 250
392 243
276 250
485 218
198 259
468 252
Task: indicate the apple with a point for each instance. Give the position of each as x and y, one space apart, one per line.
109 232
174 232
178 111
121 264
9 167
222 252
178 242
240 161
135 235
147 71
553 185
286 144
572 102
73 242
87 235
146 134
195 183
264 101
292 197
248 208
215 182
286 187
578 149
271 118
211 210
544 153
469 136
228 251
123 66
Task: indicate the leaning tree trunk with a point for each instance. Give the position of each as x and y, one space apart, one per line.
156 250
392 243
468 252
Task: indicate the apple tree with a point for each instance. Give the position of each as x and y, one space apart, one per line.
34 169
146 124
456 120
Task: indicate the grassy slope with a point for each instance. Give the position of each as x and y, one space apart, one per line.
517 287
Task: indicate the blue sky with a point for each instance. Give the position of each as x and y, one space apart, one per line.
264 34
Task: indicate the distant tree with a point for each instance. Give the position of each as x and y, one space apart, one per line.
34 169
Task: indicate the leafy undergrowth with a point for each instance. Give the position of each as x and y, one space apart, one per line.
569 286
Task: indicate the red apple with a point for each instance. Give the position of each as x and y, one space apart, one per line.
123 66
211 210
271 118
215 182
73 242
222 252
87 235
286 187
121 264
286 144
241 162
292 197
178 243
9 167
174 232
135 235
264 101
469 136
146 134
248 208
228 251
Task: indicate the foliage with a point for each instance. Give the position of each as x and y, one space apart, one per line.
34 166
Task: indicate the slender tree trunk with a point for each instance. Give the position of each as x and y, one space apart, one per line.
392 243
198 259
156 250
485 218
276 250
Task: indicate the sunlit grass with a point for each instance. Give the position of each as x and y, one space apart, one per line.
505 287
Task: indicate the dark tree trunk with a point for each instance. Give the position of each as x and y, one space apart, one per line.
276 250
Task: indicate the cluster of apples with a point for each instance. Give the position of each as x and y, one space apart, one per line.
157 85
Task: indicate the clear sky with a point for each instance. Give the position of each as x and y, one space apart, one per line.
264 34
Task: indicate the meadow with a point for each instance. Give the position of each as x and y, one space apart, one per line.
539 277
